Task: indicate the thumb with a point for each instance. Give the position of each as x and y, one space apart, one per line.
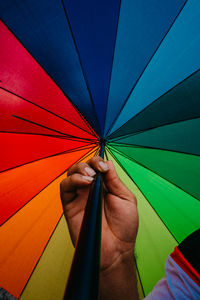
114 184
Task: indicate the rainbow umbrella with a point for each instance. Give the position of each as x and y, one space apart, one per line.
74 74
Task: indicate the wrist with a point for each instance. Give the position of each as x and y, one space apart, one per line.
119 281
122 262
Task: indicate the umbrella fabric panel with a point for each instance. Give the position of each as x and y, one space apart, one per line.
32 225
175 207
12 105
18 149
37 25
20 115
180 137
181 103
20 185
22 75
154 243
146 22
85 76
49 278
94 26
172 166
176 58
25 235
48 281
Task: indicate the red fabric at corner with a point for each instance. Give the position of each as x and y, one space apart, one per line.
185 266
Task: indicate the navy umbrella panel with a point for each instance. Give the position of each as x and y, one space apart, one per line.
43 29
94 27
74 70
123 76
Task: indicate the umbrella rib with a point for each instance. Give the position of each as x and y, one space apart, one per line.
87 154
45 109
156 100
140 164
50 135
45 246
112 60
32 133
142 193
52 155
82 68
149 147
106 155
136 265
67 135
146 130
64 93
88 124
146 67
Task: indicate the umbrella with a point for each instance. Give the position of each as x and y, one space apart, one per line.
74 74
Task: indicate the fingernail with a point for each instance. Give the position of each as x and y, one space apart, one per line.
90 171
103 166
87 178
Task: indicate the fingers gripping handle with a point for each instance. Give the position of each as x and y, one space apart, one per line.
83 281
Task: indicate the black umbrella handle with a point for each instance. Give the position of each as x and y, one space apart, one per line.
83 281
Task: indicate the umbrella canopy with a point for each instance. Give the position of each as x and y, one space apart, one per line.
75 74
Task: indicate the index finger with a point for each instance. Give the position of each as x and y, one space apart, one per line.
81 168
69 186
98 164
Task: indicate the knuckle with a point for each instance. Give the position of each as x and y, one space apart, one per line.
81 167
77 168
94 162
74 177
91 161
95 159
62 184
83 164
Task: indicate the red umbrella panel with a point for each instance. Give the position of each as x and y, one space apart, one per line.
42 135
76 74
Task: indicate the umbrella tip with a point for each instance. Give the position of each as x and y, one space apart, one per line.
102 141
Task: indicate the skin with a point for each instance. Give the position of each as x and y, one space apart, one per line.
119 224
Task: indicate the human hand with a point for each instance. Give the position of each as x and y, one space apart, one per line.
119 209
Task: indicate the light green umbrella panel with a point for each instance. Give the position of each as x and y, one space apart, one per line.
121 79
154 241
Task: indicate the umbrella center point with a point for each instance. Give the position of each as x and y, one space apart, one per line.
102 141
